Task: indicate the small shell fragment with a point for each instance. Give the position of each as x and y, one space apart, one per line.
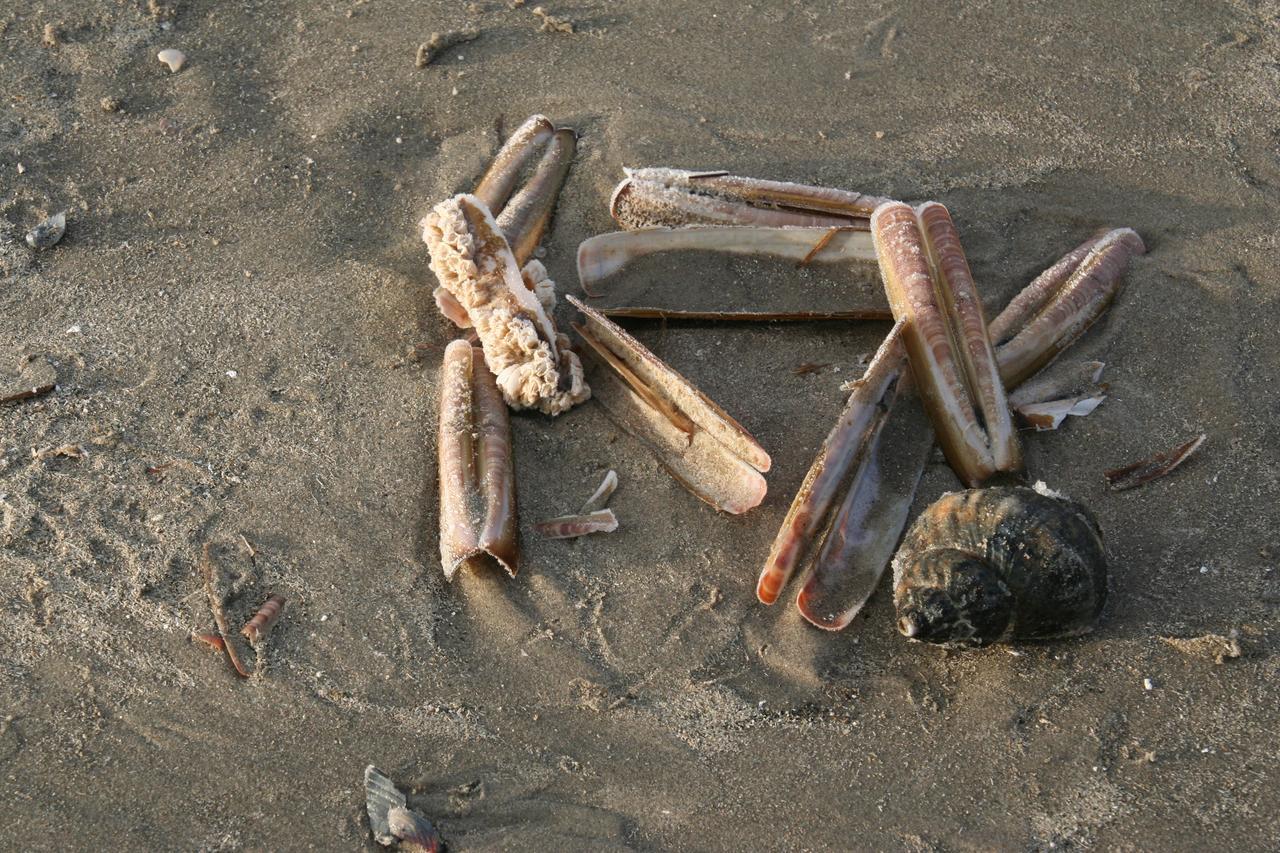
573 526
257 628
391 820
173 58
1158 465
47 234
600 498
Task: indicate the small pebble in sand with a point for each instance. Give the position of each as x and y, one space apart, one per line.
47 234
1148 684
879 134
50 37
21 168
110 104
173 58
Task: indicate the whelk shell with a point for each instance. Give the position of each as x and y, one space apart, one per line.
701 446
986 565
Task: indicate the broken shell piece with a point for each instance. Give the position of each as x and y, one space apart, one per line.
381 795
928 283
1050 414
173 58
474 263
1056 308
1157 466
257 628
600 498
415 832
477 483
702 447
675 197
573 526
36 377
47 234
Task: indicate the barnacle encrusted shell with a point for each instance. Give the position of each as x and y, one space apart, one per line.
532 362
986 565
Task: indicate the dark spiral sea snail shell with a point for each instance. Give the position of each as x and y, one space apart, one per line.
986 565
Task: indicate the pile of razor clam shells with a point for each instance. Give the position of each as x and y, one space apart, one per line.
999 561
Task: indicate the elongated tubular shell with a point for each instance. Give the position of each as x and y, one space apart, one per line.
473 262
525 217
477 486
1033 338
832 595
986 565
495 186
257 628
830 468
928 283
700 445
675 197
604 255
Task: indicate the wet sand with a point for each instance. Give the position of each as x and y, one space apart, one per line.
245 345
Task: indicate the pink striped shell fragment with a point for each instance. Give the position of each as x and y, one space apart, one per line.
927 280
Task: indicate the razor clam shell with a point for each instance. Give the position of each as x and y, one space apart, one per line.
732 272
1074 380
1074 307
865 530
498 181
525 218
600 498
381 795
673 387
717 460
909 283
1028 302
675 197
477 484
810 509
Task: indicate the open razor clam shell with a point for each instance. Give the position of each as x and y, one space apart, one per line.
701 446
525 217
477 482
676 197
873 516
928 283
1033 330
829 473
474 263
499 180
733 272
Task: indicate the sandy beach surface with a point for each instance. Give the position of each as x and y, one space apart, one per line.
240 323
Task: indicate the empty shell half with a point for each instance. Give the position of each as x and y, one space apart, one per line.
702 447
